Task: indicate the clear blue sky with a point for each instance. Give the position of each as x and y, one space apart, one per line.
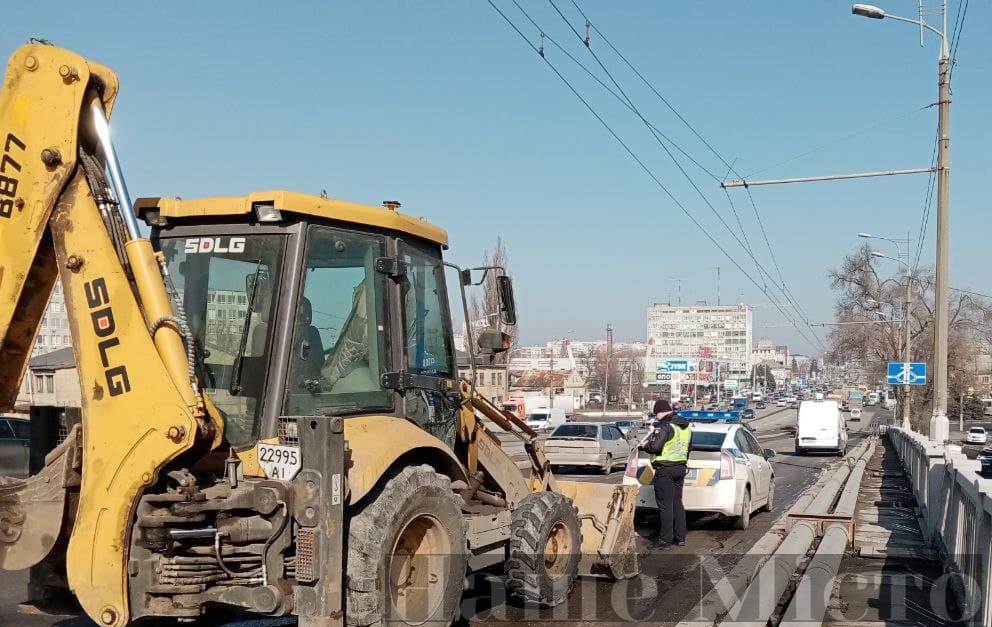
441 106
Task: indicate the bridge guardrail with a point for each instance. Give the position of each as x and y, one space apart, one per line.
955 504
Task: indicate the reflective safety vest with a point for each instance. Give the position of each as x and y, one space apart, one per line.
676 449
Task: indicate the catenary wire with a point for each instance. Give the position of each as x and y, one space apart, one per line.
784 289
838 140
675 111
649 171
610 90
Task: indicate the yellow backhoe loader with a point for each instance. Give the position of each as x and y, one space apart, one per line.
271 417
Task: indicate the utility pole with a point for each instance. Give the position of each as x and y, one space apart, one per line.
630 383
606 377
961 412
678 288
717 286
939 427
907 355
551 379
719 397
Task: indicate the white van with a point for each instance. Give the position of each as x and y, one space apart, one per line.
821 428
546 419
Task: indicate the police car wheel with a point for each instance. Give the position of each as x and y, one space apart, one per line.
741 522
608 465
767 507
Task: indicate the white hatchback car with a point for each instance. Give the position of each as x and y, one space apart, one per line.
728 473
600 445
976 435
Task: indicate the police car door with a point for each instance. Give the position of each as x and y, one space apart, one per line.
753 467
763 466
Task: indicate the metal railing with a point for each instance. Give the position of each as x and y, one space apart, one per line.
955 505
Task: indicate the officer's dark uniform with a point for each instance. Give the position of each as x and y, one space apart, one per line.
669 450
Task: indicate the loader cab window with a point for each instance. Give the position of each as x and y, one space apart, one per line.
339 341
229 287
427 338
425 314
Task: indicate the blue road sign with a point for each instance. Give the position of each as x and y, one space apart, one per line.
677 365
902 373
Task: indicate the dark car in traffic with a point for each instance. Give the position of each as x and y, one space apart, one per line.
15 442
985 458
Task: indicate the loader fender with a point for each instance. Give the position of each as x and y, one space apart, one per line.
376 443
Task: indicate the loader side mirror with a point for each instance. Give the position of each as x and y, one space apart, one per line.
493 341
507 304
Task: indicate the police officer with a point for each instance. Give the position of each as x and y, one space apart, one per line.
668 447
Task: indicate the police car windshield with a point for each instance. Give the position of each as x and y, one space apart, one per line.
707 440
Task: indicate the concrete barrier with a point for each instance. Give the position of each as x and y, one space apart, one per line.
955 504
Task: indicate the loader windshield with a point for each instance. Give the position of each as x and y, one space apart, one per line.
228 287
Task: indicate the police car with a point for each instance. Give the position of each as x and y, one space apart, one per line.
728 471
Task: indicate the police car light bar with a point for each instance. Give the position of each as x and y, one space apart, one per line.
710 416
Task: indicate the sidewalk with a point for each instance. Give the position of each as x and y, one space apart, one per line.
891 577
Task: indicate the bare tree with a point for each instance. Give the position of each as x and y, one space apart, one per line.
484 307
862 294
626 373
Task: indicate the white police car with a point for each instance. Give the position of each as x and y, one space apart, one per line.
728 470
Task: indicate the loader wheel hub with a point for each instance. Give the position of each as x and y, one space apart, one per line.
557 549
417 568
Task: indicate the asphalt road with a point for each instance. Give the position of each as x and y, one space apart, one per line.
670 584
671 581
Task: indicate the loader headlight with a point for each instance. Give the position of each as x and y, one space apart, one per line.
267 213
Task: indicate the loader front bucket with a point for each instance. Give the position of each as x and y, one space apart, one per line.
607 516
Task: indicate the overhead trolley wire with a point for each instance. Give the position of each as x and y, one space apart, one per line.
838 140
783 287
633 108
647 170
611 91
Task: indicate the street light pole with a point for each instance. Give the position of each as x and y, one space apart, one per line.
907 351
939 426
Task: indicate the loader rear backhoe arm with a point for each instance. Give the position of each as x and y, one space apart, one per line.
60 218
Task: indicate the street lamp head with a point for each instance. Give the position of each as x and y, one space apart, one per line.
866 235
868 10
875 253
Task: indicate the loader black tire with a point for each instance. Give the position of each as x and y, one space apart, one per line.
545 547
407 553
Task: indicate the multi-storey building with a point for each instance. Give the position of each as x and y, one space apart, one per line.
53 333
767 351
226 310
704 335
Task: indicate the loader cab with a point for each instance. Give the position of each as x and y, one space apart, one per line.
307 306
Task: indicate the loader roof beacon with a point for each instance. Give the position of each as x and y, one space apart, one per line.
271 418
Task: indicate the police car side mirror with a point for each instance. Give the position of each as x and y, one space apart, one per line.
769 453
